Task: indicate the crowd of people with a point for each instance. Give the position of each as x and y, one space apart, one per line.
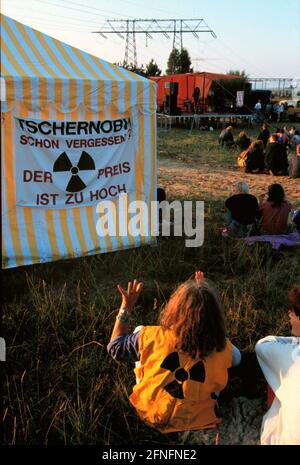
269 152
273 112
181 364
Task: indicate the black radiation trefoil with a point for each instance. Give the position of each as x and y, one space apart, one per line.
196 373
63 163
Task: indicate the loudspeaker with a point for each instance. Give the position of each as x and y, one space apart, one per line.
174 88
173 104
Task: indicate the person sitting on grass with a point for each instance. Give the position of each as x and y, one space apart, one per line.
276 157
274 211
226 137
165 225
294 140
242 212
255 161
182 362
296 219
264 134
243 141
283 137
279 358
294 169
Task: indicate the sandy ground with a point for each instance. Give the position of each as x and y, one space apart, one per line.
197 180
241 425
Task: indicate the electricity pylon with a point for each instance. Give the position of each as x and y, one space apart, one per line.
128 28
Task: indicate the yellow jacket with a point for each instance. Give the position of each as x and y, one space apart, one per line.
175 392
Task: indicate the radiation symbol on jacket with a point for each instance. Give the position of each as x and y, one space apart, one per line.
196 373
63 163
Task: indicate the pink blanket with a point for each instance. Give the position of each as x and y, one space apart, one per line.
290 239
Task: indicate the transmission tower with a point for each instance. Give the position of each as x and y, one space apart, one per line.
130 47
128 28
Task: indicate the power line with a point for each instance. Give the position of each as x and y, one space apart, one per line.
130 27
79 9
53 15
231 61
94 8
55 22
242 58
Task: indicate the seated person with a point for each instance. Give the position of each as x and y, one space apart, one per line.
276 157
291 132
279 358
243 141
226 137
182 363
274 211
264 134
296 219
161 194
255 160
282 137
242 212
294 169
295 140
161 197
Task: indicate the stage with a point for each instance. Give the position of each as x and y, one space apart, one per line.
216 120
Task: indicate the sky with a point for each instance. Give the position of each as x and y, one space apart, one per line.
261 37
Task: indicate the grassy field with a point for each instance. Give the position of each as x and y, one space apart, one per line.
61 387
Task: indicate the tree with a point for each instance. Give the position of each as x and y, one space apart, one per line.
236 72
134 69
173 61
185 62
179 62
152 69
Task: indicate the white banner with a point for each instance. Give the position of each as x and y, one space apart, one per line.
61 164
240 98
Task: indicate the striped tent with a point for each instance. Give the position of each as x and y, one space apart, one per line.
45 80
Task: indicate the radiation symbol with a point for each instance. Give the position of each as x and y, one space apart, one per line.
63 163
195 373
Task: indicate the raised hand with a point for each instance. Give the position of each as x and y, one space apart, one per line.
130 297
199 276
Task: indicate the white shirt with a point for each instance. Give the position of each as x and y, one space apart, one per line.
279 358
257 106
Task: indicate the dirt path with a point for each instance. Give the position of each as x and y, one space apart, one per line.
198 180
241 425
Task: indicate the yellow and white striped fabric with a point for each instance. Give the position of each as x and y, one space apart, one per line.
47 79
